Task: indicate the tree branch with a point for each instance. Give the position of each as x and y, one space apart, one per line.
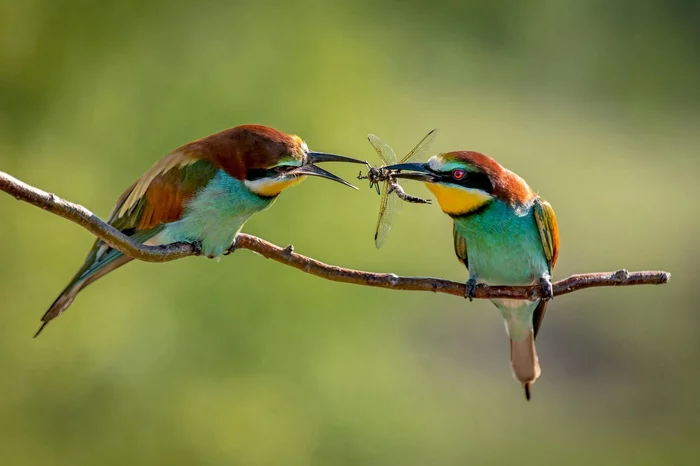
116 239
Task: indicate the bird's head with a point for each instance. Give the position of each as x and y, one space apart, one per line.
465 181
267 160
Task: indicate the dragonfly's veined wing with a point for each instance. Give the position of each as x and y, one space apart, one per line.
385 152
388 209
390 203
422 148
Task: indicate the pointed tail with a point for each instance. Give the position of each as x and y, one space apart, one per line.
88 273
64 300
523 358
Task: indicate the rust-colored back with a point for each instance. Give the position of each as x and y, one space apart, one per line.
241 148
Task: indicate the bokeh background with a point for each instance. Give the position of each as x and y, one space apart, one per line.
248 362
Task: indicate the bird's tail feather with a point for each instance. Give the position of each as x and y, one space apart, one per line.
523 358
90 271
100 261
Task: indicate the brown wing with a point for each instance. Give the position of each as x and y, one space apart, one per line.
158 197
161 194
460 243
549 232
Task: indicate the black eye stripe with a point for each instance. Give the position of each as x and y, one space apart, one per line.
473 180
258 173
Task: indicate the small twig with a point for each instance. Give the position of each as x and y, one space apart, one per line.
83 217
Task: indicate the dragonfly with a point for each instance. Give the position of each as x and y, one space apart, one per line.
392 192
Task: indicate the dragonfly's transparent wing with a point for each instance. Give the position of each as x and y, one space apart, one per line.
390 202
422 148
388 209
386 153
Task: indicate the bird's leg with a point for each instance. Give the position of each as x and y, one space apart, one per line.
470 292
547 289
197 246
232 248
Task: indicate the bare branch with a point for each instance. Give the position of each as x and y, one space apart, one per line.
391 281
91 222
83 217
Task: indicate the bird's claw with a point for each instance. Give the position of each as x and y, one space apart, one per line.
470 292
197 246
231 249
547 289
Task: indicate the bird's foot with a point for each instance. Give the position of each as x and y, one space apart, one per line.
547 289
231 249
470 292
197 246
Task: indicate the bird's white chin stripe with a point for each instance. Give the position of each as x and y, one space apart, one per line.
269 187
262 184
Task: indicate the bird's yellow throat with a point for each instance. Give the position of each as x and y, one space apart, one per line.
269 188
457 200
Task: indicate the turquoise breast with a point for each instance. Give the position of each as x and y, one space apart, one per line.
216 215
504 245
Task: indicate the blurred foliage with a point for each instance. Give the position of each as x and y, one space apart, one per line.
248 362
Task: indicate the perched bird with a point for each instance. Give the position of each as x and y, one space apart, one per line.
504 233
202 192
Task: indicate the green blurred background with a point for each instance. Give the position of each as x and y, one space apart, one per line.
248 362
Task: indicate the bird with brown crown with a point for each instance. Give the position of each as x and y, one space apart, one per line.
504 233
203 192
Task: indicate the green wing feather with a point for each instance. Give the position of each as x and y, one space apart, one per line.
549 233
460 244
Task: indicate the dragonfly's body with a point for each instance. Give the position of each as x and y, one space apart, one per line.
388 206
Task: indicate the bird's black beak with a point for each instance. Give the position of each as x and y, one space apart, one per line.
418 172
318 157
310 169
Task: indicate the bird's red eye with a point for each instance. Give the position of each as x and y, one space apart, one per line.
458 174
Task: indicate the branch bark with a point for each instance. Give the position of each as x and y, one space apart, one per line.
116 239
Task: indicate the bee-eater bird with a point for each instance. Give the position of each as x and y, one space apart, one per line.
504 233
203 193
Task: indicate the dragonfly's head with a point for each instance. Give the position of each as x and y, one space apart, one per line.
461 181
